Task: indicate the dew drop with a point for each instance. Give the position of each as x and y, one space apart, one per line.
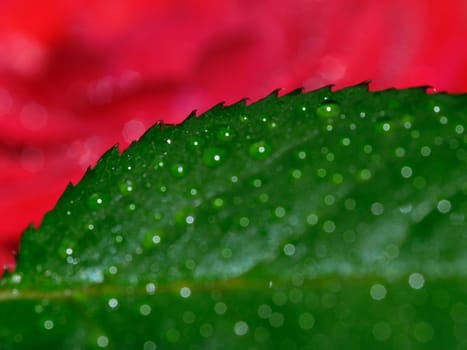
149 345
220 308
377 209
378 291
406 172
329 226
196 143
102 341
127 187
328 109
346 141
185 292
312 219
185 216
189 317
178 170
96 201
150 288
416 280
423 332
48 325
241 328
225 134
364 174
113 303
276 320
444 206
214 157
244 221
226 253
217 202
306 321
145 310
384 125
259 150
382 331
289 249
279 212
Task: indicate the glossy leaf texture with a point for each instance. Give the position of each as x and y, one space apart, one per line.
324 220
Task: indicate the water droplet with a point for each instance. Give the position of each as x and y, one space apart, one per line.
328 109
276 320
185 292
113 303
312 219
145 310
378 291
217 203
113 270
150 288
178 170
377 209
259 150
189 317
102 341
127 187
244 221
16 278
301 155
214 157
279 212
444 206
443 120
225 134
264 311
406 172
368 149
226 253
185 216
241 328
416 280
296 174
196 143
306 321
173 335
149 345
256 182
384 125
329 199
329 226
423 332
153 238
382 331
131 207
400 152
345 141
48 325
289 249
220 308
350 204
364 175
96 201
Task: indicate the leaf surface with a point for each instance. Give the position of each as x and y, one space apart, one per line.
324 220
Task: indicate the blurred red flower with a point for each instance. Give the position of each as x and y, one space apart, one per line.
76 77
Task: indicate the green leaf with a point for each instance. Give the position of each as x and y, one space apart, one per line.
326 220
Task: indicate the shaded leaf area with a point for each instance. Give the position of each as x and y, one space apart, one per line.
319 220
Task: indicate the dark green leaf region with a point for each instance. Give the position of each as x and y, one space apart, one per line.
325 220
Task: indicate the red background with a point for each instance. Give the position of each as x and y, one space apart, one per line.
76 77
